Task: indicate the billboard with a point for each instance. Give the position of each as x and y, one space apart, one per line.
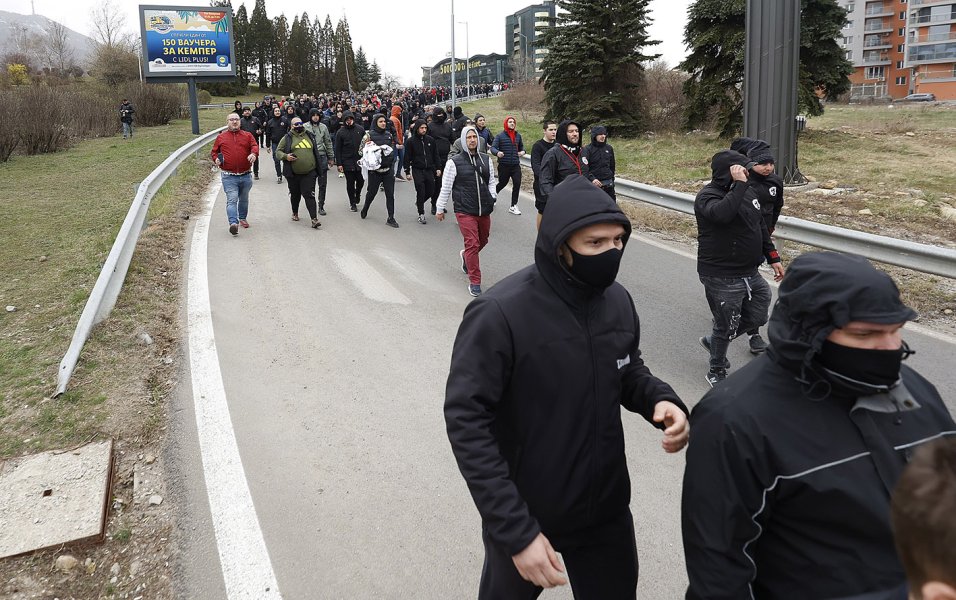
180 42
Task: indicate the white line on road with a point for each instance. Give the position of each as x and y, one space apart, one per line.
246 568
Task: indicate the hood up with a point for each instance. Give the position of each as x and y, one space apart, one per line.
720 167
596 131
562 135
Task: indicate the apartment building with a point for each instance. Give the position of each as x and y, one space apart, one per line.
522 32
900 47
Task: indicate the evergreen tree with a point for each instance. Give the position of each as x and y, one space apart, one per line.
260 41
716 33
344 57
328 60
241 35
296 57
594 68
374 73
279 49
361 69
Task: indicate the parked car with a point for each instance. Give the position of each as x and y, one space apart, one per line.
920 98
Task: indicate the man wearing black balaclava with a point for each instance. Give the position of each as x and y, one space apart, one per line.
542 364
787 487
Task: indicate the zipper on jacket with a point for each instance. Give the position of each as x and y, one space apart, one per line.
594 411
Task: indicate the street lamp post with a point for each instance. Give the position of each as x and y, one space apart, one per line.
453 55
524 55
467 59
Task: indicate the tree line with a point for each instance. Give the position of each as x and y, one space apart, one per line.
599 54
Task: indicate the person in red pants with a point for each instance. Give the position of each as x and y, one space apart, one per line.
469 181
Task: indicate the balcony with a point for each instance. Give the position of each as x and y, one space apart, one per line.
932 19
872 62
878 10
929 2
932 38
873 41
927 54
874 25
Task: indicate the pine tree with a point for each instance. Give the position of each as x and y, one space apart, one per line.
594 68
328 60
361 69
716 33
374 73
279 49
241 31
260 40
344 57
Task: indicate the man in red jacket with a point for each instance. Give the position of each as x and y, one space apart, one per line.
234 152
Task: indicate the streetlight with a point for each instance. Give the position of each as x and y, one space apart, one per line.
524 55
467 58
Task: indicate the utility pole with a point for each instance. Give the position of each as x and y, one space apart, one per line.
453 55
467 59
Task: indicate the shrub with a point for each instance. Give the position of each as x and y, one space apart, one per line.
664 98
155 104
52 133
204 97
18 74
9 132
525 98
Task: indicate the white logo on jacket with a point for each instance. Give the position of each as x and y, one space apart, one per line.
623 362
756 203
773 191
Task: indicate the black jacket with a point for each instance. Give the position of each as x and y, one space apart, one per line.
421 152
348 144
540 369
276 128
440 130
253 125
383 137
600 158
561 162
732 237
769 192
787 487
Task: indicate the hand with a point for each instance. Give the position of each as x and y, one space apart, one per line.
252 158
777 271
676 426
290 157
501 154
341 168
218 163
539 564
738 173
438 173
597 183
521 153
440 215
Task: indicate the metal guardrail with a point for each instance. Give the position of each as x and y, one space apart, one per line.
110 281
911 255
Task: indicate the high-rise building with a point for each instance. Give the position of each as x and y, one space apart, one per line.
931 47
522 32
899 48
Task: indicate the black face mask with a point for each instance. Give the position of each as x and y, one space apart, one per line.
596 270
862 371
298 128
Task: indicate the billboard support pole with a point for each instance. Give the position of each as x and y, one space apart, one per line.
194 105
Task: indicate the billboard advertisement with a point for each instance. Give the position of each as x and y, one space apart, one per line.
180 42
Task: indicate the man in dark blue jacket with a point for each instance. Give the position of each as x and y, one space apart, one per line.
732 241
787 488
541 367
509 148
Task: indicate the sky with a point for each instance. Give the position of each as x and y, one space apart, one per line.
401 41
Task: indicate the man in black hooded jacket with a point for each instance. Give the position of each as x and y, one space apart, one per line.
542 364
787 488
732 242
562 161
600 160
441 132
348 151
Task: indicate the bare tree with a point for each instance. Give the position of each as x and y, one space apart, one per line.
108 23
389 81
59 53
27 45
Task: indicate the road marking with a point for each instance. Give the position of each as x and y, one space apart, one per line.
363 276
246 568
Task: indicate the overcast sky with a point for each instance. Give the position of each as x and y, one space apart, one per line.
399 39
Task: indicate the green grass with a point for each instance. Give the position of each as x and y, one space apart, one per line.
61 215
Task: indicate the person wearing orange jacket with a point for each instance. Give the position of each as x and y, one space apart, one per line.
396 120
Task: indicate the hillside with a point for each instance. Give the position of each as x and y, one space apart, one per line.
81 45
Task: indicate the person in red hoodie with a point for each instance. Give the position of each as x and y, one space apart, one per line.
396 120
234 152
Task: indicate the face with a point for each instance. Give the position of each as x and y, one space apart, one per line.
763 169
601 138
297 123
550 131
574 134
315 118
471 139
868 336
511 123
247 113
380 122
277 112
422 129
480 121
594 239
232 121
349 121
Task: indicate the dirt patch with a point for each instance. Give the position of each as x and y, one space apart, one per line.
131 362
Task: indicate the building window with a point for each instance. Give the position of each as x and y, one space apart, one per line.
900 48
903 16
901 80
849 54
899 64
850 7
901 32
849 24
874 73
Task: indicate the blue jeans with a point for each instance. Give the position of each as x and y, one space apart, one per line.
127 129
237 193
738 304
399 160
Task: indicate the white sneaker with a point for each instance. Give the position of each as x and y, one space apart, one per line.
514 210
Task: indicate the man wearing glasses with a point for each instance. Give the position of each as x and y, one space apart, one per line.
234 152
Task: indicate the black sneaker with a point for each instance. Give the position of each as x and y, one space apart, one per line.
257 178
321 211
421 219
715 376
705 343
392 223
234 228
279 179
464 267
365 211
757 345
434 209
353 208
474 289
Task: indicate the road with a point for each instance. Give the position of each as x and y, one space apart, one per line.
333 348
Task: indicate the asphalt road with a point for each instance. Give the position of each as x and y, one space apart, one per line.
334 348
